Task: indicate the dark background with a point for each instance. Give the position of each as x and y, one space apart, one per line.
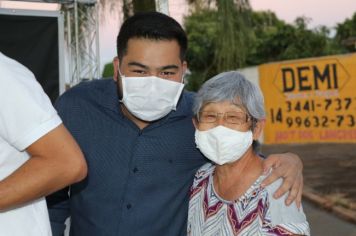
33 41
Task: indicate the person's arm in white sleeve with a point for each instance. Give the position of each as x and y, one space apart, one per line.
28 122
55 162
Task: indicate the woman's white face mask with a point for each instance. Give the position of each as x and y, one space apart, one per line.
223 145
150 98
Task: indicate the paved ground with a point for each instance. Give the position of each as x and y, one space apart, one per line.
326 224
329 177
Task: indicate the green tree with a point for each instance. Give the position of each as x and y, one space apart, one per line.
131 7
264 25
202 35
234 35
277 40
218 37
346 34
108 70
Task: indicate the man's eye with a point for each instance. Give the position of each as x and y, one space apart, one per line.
141 72
167 73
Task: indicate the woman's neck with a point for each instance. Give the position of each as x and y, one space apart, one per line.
232 180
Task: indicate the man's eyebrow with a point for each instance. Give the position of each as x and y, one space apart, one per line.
169 67
138 64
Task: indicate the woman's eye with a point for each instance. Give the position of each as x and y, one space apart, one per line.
209 117
234 118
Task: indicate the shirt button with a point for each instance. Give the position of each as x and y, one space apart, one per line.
135 170
128 206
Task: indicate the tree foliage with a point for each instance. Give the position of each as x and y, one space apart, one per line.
259 37
346 34
280 41
215 44
128 7
202 36
131 7
233 31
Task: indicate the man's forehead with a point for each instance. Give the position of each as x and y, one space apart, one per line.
163 44
152 53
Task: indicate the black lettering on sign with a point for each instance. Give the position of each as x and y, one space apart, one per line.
306 78
303 78
325 76
288 75
321 77
335 76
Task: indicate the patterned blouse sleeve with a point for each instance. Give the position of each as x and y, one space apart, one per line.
284 220
201 174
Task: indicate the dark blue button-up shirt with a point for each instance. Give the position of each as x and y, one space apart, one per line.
138 180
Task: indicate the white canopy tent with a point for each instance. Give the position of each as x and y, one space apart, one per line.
81 34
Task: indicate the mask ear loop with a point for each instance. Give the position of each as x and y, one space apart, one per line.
118 69
183 80
122 84
122 96
253 123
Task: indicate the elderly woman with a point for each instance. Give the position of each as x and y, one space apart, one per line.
226 197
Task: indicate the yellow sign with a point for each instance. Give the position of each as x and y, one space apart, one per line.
312 100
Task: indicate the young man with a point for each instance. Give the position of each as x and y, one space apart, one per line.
37 154
137 135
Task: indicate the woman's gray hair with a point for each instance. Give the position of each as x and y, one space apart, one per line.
234 87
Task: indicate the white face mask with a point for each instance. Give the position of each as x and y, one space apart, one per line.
223 145
150 98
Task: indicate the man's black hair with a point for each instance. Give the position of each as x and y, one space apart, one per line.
151 25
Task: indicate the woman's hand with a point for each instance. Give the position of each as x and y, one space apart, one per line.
289 167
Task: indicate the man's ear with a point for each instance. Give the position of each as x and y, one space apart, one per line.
116 64
257 131
184 67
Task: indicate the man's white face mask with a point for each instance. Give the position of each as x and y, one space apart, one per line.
223 145
150 98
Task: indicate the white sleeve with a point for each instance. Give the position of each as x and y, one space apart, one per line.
288 217
26 113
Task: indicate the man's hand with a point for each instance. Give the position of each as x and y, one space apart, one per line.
289 167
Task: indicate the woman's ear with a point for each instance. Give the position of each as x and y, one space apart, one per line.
195 122
257 131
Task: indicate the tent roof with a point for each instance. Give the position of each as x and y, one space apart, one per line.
60 1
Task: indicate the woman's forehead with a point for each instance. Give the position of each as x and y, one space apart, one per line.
223 106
